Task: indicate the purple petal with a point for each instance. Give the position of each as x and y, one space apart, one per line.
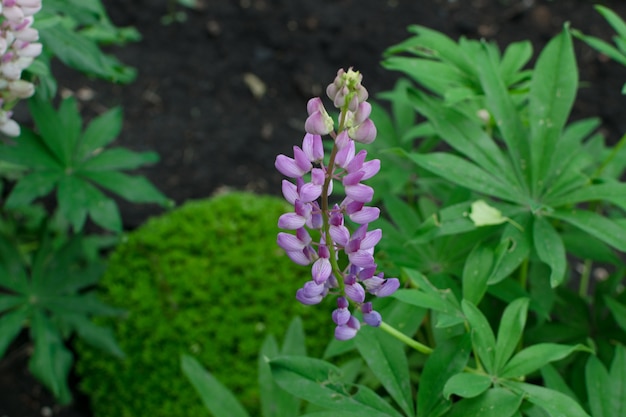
340 235
341 316
290 192
299 257
361 258
389 287
291 221
289 242
373 319
362 113
365 215
321 270
357 161
301 160
370 168
348 330
371 239
355 292
364 133
352 179
319 123
314 104
288 167
345 154
342 140
310 192
304 299
313 147
360 192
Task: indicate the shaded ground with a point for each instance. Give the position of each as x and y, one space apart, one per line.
192 105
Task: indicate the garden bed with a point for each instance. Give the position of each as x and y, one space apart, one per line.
197 100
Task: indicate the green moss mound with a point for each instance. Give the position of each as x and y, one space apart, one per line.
206 279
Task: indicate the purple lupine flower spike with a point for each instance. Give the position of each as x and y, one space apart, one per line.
313 176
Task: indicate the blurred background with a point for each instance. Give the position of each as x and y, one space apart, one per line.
223 85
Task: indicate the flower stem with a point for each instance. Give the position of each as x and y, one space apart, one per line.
585 276
406 339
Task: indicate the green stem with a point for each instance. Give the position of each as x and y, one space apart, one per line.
406 339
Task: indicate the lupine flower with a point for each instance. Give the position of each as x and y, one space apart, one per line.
309 197
18 49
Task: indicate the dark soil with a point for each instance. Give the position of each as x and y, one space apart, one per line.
192 105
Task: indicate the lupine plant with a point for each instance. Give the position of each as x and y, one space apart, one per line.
48 265
502 219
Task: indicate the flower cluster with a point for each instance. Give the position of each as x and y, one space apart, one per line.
18 49
309 195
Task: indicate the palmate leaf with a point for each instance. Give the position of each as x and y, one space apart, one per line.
386 358
483 339
215 396
611 192
607 389
496 402
534 357
501 106
550 249
467 174
464 134
100 132
466 385
51 361
510 331
553 402
319 382
553 89
136 189
447 360
603 228
119 159
11 324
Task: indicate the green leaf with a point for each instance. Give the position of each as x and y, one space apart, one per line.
618 310
466 135
466 385
215 396
105 214
100 132
294 342
402 214
386 358
74 197
613 19
482 336
550 249
510 331
11 324
119 159
135 189
553 380
320 383
275 402
552 92
447 360
72 123
534 357
462 172
505 114
51 129
29 150
496 402
433 75
10 301
83 54
603 228
476 272
515 57
97 336
516 246
553 402
607 389
51 360
32 186
612 192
